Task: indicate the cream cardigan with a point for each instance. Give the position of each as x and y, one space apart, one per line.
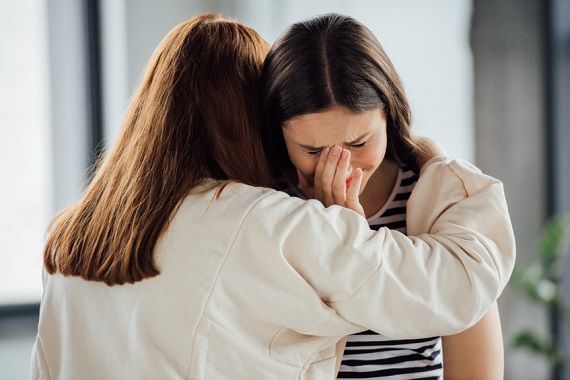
259 285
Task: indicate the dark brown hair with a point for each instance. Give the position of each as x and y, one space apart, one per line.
194 116
331 60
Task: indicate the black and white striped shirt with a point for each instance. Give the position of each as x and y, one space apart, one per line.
369 355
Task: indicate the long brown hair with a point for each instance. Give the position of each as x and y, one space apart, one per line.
331 60
194 116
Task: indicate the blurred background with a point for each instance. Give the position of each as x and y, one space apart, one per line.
489 79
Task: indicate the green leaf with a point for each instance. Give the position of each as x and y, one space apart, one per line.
528 340
553 243
535 285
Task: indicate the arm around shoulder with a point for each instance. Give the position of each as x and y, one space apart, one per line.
453 198
383 280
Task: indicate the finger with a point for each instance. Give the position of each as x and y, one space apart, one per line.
327 175
340 176
318 191
352 200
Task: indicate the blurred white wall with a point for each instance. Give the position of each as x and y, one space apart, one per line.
26 172
511 145
25 166
427 41
69 99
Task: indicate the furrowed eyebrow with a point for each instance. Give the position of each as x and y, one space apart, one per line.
358 139
308 147
355 141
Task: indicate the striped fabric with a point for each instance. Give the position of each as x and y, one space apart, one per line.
369 355
372 356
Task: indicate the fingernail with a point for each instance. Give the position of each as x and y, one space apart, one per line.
344 154
335 150
358 173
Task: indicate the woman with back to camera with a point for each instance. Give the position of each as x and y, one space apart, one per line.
332 94
173 264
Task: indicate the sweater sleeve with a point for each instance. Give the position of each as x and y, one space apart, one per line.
438 282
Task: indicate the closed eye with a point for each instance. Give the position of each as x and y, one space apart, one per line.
358 145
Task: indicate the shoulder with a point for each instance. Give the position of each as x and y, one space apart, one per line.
265 204
222 206
446 161
445 182
258 196
270 214
445 171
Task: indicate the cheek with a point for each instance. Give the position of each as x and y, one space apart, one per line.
306 164
369 159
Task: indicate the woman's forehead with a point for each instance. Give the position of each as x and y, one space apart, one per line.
334 126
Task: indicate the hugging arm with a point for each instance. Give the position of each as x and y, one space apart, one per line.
435 283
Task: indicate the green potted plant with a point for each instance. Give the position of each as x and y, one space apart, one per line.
540 283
